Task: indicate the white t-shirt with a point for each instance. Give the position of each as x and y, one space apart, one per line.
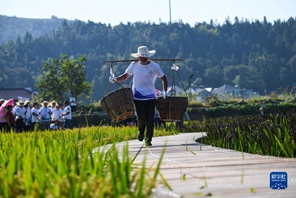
144 79
14 108
28 113
34 117
44 113
56 113
20 112
66 110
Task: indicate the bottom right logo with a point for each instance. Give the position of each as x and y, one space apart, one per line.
278 180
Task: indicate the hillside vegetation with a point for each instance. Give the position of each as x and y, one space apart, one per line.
257 55
14 27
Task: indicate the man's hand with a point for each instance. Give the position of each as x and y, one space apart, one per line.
164 94
112 79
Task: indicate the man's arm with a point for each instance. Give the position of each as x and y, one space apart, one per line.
164 83
65 113
122 77
34 113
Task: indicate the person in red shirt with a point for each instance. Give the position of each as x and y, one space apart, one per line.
10 119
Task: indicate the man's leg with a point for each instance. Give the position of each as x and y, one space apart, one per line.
66 124
47 125
140 109
42 126
70 124
19 125
150 108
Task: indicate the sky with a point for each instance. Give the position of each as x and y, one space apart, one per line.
115 12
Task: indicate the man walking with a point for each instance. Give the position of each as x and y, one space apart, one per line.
145 74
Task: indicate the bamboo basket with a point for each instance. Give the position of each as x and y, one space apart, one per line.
171 108
119 104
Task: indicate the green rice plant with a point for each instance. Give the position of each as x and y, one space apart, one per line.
266 135
281 146
69 164
240 141
201 142
242 176
205 182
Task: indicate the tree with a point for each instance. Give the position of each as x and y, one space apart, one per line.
244 76
212 77
63 77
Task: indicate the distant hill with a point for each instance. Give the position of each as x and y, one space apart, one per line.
12 27
258 56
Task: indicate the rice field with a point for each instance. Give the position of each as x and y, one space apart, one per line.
63 164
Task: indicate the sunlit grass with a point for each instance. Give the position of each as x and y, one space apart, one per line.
64 164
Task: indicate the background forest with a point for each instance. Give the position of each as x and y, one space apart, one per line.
257 55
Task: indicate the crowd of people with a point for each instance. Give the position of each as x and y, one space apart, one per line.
24 116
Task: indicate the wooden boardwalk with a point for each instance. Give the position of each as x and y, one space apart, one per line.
195 170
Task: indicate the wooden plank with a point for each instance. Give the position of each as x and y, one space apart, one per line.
207 169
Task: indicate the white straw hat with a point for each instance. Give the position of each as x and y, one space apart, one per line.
143 52
20 102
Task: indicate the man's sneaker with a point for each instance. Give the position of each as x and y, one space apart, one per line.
140 137
148 144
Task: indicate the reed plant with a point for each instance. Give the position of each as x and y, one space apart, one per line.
66 164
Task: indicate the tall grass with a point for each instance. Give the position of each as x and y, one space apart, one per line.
266 135
64 164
